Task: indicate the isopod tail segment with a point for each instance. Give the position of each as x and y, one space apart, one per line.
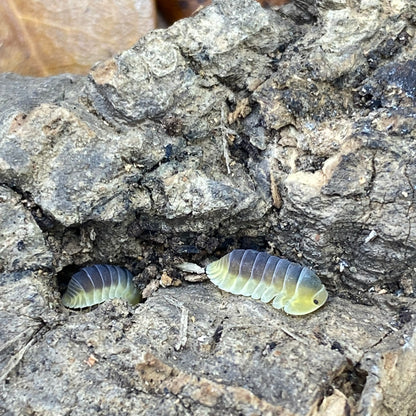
95 284
289 286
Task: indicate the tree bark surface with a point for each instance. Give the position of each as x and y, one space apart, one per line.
291 131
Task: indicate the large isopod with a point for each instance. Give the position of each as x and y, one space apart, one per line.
95 284
292 287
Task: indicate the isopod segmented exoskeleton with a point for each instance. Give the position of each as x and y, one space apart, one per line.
292 287
95 284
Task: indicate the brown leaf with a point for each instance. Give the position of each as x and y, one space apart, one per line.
173 10
46 37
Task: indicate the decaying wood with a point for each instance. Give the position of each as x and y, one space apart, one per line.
138 165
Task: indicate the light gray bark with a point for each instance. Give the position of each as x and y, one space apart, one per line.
291 131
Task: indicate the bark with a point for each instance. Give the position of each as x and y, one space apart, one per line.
291 131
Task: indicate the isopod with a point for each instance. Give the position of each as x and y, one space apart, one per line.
95 284
292 287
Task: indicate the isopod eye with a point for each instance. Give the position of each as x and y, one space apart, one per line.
316 301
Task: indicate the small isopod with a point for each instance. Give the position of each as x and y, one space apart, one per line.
95 284
292 287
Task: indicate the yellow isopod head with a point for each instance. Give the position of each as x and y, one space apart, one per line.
310 294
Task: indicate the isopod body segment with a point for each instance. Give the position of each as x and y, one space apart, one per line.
292 287
95 284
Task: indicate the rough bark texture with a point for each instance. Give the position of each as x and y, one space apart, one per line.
291 131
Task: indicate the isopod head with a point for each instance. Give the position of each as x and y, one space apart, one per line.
310 294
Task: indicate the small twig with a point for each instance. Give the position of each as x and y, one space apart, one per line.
373 234
183 329
173 302
13 340
183 325
294 336
15 360
274 189
226 153
225 131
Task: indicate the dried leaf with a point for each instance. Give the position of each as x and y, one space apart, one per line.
46 37
173 10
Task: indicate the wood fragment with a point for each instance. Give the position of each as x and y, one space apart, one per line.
161 377
294 336
165 279
10 342
15 360
183 329
195 278
91 360
274 189
150 288
226 153
242 110
191 268
183 324
373 234
335 404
